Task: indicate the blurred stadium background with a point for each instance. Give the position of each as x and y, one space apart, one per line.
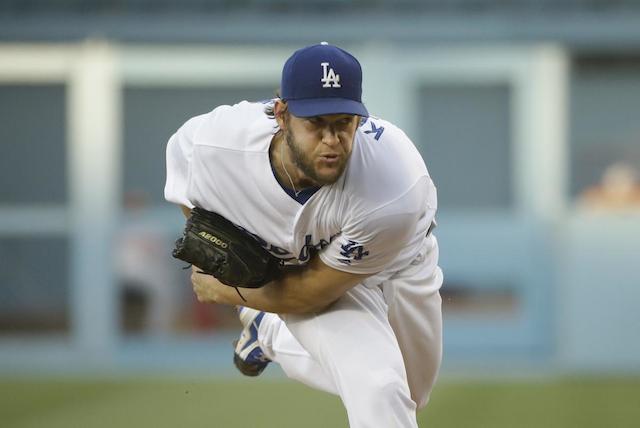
527 113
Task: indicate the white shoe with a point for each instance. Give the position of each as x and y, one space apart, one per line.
248 356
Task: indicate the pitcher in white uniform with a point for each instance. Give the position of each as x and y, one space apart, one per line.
346 196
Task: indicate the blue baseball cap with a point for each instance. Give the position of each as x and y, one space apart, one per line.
322 79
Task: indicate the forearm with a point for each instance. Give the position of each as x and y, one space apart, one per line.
301 291
286 295
290 294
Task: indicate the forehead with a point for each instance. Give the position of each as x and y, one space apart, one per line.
329 117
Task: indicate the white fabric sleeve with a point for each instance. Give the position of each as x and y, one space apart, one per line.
369 243
179 156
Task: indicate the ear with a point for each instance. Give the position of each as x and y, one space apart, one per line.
280 110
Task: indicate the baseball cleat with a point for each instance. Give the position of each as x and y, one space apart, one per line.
248 356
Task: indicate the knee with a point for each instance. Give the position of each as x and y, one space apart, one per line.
421 391
422 401
384 388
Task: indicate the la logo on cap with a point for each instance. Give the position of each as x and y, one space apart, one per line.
330 78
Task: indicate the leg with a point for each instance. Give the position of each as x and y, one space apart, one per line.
354 346
416 318
279 345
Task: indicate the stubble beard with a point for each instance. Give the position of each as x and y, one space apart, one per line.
306 165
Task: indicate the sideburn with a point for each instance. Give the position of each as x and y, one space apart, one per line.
299 159
297 156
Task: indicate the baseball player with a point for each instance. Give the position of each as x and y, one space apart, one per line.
347 198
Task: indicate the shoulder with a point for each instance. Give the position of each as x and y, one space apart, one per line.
235 127
382 137
384 166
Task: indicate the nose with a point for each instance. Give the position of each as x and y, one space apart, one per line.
330 136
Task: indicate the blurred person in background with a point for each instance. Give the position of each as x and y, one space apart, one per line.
345 197
149 301
619 188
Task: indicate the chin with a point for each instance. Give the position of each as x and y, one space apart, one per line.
329 177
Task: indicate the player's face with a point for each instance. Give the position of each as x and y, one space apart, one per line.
320 146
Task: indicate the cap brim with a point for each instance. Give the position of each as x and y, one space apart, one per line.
321 106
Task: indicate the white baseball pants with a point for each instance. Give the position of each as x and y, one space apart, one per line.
379 348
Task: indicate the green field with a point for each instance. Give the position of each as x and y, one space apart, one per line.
266 403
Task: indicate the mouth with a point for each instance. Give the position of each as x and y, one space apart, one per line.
330 160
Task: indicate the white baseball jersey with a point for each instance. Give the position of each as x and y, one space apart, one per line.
373 220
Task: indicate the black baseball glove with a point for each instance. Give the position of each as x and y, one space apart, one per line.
219 248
